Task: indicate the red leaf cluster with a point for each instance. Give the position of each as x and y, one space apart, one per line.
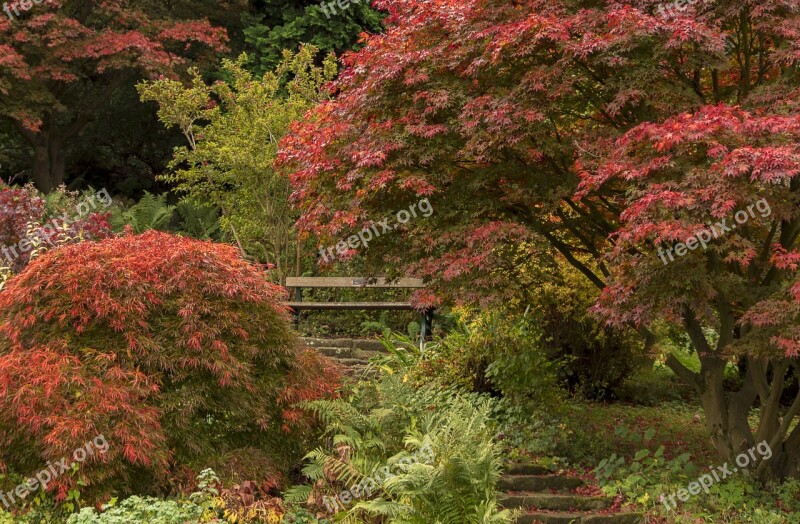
605 130
23 215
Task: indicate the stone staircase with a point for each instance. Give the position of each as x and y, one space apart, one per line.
546 497
352 353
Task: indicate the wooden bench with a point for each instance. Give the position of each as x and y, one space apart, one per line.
300 283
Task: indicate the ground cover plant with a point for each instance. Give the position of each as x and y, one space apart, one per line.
405 453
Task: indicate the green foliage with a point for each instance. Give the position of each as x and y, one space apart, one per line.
648 474
233 129
651 473
386 420
500 353
276 26
550 331
459 487
140 510
187 218
297 515
595 358
199 507
151 212
198 220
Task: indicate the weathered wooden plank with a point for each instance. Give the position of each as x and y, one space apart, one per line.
340 282
351 305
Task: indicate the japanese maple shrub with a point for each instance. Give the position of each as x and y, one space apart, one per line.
604 133
176 350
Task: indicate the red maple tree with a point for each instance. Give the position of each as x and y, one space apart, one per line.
62 60
604 132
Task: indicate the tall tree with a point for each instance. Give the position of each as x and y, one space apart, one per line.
232 130
62 61
606 131
275 25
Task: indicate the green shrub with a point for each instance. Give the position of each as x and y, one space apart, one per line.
141 510
498 353
595 359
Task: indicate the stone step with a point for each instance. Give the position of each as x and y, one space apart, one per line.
579 518
555 502
334 352
352 362
538 483
363 344
369 345
526 469
328 342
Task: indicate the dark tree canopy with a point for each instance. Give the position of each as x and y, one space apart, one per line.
274 25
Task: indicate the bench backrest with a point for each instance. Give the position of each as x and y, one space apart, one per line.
351 282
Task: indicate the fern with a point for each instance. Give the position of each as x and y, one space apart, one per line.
198 220
151 212
297 494
385 421
460 486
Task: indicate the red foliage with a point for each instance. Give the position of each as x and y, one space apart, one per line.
61 62
23 215
604 131
304 384
18 208
54 45
738 160
170 347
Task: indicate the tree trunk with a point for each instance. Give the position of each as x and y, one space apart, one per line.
48 164
727 413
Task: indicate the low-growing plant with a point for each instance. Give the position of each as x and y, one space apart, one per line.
151 212
24 213
499 353
140 509
648 474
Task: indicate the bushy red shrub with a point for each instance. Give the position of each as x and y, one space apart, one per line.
43 224
176 350
18 208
